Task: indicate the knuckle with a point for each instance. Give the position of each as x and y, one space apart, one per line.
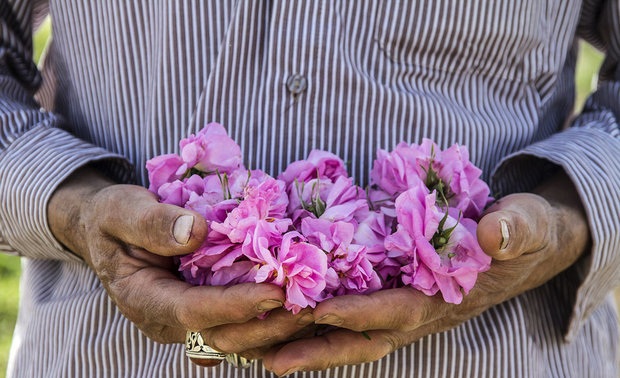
188 319
390 342
154 332
108 265
242 307
238 315
185 319
412 317
151 218
122 297
104 203
220 341
107 273
155 227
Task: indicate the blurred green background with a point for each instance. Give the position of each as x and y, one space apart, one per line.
9 295
10 265
587 67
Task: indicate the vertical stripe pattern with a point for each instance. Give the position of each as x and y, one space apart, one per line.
123 81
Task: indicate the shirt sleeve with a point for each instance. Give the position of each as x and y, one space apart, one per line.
36 154
589 152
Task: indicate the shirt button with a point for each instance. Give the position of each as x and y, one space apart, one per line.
296 84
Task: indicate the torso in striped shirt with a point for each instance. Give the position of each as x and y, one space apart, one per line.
288 76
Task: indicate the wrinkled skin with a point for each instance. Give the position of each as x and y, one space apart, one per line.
547 231
126 237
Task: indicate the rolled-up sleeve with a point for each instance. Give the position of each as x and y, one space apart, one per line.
36 154
589 152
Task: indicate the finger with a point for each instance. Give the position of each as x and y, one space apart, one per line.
133 215
259 352
515 225
336 348
171 304
148 294
402 309
198 307
258 334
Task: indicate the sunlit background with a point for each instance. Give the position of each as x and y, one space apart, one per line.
587 67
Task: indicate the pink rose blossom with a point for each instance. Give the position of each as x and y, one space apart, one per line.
450 172
315 233
261 210
349 270
173 193
272 191
179 192
443 253
395 172
164 169
371 231
214 196
469 193
318 165
196 267
299 267
211 150
241 271
319 198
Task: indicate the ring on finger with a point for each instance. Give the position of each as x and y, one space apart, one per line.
202 354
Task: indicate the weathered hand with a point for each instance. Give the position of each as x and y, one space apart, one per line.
128 238
542 235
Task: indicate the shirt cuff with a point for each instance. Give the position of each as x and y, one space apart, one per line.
32 167
590 157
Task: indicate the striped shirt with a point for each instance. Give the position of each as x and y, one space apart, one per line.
124 80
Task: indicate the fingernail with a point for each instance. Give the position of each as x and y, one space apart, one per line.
182 229
305 320
505 234
269 304
329 319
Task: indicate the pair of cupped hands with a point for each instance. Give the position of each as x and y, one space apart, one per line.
129 239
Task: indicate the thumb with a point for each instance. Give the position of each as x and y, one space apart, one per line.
133 215
514 225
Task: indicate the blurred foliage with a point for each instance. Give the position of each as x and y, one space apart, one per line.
587 67
10 265
40 39
586 77
9 298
